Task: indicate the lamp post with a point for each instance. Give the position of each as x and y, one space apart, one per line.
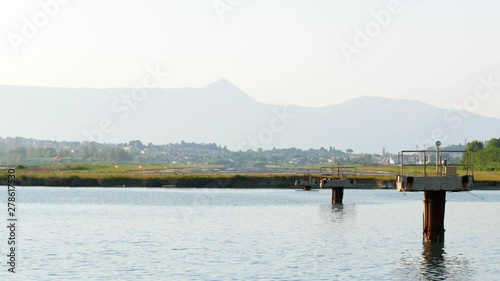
438 143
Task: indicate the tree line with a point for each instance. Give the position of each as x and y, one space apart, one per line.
486 154
22 151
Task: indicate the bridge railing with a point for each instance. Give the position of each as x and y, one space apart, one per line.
435 163
336 171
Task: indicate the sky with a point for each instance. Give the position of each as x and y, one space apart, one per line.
310 53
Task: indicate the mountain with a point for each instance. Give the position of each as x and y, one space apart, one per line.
223 114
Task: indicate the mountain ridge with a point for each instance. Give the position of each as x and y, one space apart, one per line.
222 113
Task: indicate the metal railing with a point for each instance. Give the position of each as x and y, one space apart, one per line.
411 156
336 171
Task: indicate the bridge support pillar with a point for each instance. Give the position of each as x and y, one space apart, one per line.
337 195
434 206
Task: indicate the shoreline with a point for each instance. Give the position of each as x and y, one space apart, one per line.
246 181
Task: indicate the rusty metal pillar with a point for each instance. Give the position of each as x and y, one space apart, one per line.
434 203
337 195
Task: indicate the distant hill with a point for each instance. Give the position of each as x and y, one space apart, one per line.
223 114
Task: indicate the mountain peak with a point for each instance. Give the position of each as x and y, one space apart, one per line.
223 88
223 85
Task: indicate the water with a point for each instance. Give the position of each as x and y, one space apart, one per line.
202 234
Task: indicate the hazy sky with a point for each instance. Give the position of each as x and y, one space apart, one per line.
282 52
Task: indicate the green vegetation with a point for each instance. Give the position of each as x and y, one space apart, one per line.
21 151
147 176
475 146
93 164
486 157
150 176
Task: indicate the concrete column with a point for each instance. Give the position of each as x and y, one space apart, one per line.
434 206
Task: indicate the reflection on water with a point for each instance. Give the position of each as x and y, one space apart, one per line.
433 262
437 264
338 208
337 212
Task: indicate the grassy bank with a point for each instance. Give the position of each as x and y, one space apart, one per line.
84 175
145 176
203 181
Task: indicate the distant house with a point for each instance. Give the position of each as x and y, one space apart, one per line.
387 161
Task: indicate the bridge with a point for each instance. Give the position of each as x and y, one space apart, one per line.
335 178
434 179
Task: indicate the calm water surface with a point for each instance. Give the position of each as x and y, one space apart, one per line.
227 234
